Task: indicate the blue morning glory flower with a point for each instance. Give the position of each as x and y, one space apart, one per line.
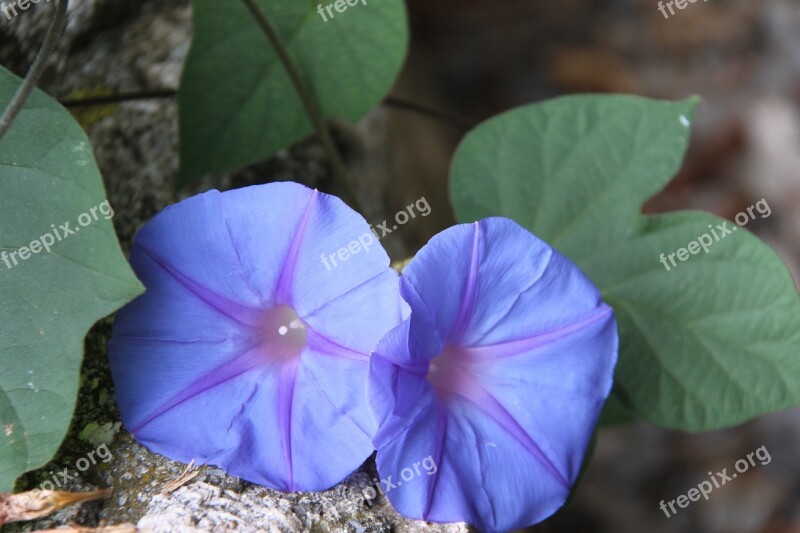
496 380
247 351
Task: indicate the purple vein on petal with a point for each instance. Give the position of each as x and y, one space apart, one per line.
487 403
470 291
145 340
318 342
283 291
233 310
492 352
441 433
361 285
286 385
227 371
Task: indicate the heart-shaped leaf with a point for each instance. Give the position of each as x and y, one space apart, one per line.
706 342
61 269
237 102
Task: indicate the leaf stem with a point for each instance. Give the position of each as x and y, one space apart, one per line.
308 102
37 68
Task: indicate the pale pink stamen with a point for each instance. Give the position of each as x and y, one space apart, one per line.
282 333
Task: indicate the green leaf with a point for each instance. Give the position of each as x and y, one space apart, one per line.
710 343
48 177
614 413
237 102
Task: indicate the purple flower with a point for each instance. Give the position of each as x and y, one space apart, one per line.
246 351
497 379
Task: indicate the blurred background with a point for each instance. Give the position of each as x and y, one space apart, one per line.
471 59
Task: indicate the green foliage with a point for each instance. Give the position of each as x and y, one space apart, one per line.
48 177
237 103
710 343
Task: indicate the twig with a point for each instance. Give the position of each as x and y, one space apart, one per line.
40 503
308 102
76 528
188 474
37 68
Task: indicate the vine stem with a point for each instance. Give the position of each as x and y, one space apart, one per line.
454 119
308 102
37 68
89 101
